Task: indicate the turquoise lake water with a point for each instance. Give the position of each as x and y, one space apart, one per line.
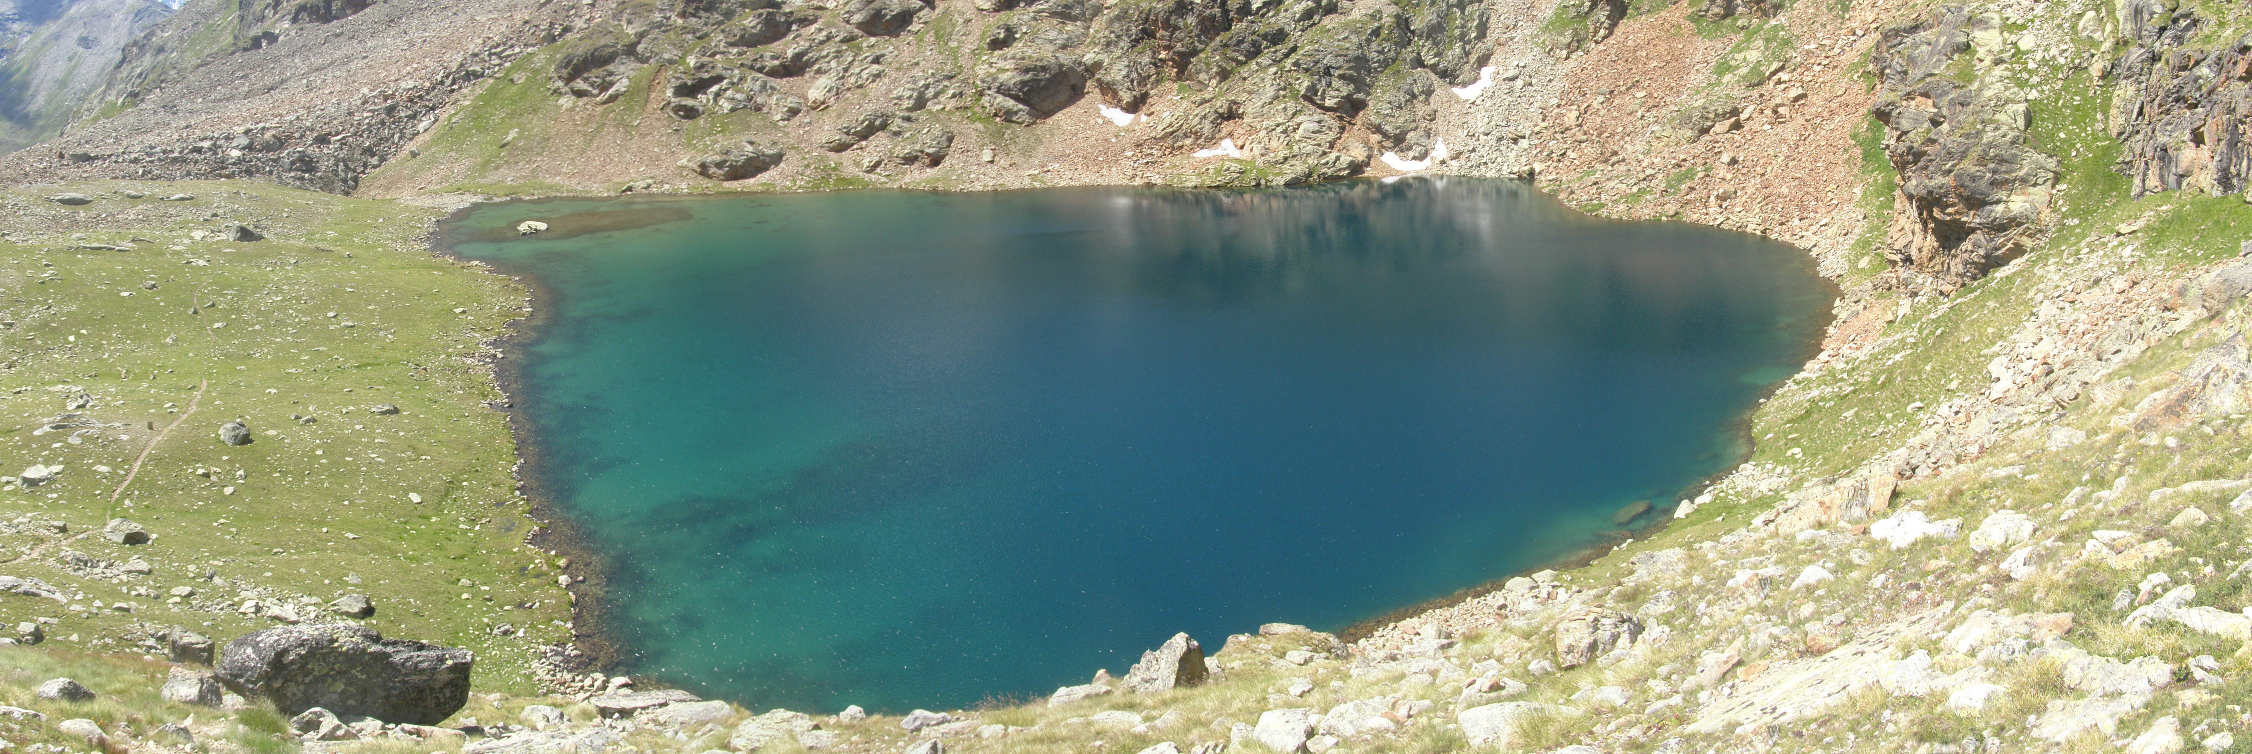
918 450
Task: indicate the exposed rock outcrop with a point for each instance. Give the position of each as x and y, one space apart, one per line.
2183 112
1972 194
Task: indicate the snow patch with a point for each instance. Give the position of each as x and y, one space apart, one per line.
1394 161
1119 118
1225 149
1471 92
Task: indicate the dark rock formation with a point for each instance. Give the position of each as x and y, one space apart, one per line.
1972 193
1025 88
926 146
349 670
1140 42
739 163
1581 23
851 134
1719 10
2184 113
881 18
1593 633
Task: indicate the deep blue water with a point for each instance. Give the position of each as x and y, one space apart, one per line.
915 450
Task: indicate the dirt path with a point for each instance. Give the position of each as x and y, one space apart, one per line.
129 475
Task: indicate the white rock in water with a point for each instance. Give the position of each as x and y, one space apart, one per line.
529 227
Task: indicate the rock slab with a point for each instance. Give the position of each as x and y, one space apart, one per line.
350 670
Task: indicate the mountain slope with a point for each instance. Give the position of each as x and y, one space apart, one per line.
55 53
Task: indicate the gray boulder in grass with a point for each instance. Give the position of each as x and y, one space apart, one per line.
349 670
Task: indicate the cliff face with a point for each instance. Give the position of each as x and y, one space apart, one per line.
55 53
2184 107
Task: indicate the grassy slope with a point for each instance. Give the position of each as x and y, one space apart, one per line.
342 308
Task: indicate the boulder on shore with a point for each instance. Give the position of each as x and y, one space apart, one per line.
349 670
1177 663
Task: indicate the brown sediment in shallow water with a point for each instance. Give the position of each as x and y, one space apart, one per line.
574 224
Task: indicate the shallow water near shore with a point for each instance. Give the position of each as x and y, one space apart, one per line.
918 450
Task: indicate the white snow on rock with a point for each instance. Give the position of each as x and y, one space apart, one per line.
1119 118
1471 92
1225 149
1394 161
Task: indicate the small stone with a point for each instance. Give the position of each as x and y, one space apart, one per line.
71 200
852 714
1068 694
37 474
183 686
189 647
353 606
234 433
383 409
64 689
125 532
923 718
628 703
530 227
542 717
86 729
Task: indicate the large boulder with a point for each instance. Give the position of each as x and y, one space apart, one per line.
739 163
350 670
759 29
1178 663
1025 88
882 18
185 686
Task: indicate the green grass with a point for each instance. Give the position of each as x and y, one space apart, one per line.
342 308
